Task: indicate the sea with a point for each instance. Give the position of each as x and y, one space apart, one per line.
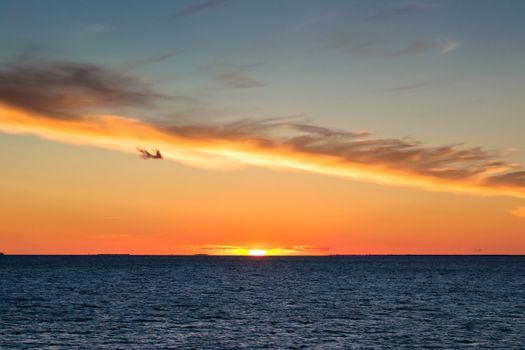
211 302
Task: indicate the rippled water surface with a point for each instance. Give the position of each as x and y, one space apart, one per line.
134 302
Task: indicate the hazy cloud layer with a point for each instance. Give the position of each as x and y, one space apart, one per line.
416 47
407 87
43 99
355 44
400 9
150 60
196 8
238 80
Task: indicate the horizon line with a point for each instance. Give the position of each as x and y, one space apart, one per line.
257 257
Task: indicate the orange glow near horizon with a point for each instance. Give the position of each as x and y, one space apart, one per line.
114 204
398 131
246 251
257 252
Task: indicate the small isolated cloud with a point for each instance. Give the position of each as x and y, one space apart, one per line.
519 212
93 28
419 46
416 47
407 87
238 80
150 60
447 45
196 8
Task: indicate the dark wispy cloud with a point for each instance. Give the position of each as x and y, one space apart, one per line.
406 87
260 131
516 178
419 46
422 85
151 60
65 89
57 89
356 44
196 8
238 80
446 162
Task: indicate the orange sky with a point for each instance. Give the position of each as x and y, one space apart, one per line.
66 199
299 132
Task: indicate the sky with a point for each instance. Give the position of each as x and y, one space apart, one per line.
294 127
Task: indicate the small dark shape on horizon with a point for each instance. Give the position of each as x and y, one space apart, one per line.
150 155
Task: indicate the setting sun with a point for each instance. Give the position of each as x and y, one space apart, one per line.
257 252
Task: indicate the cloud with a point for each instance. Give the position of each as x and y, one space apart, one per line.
151 60
519 212
66 90
412 86
277 143
447 45
414 48
238 80
407 87
516 178
93 28
419 46
196 8
309 249
345 42
400 9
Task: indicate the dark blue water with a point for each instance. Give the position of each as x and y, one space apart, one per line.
126 302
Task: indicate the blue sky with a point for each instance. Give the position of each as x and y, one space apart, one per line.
382 66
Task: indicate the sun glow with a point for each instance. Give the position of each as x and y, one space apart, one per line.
257 252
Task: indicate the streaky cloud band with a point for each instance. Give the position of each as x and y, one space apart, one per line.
63 102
